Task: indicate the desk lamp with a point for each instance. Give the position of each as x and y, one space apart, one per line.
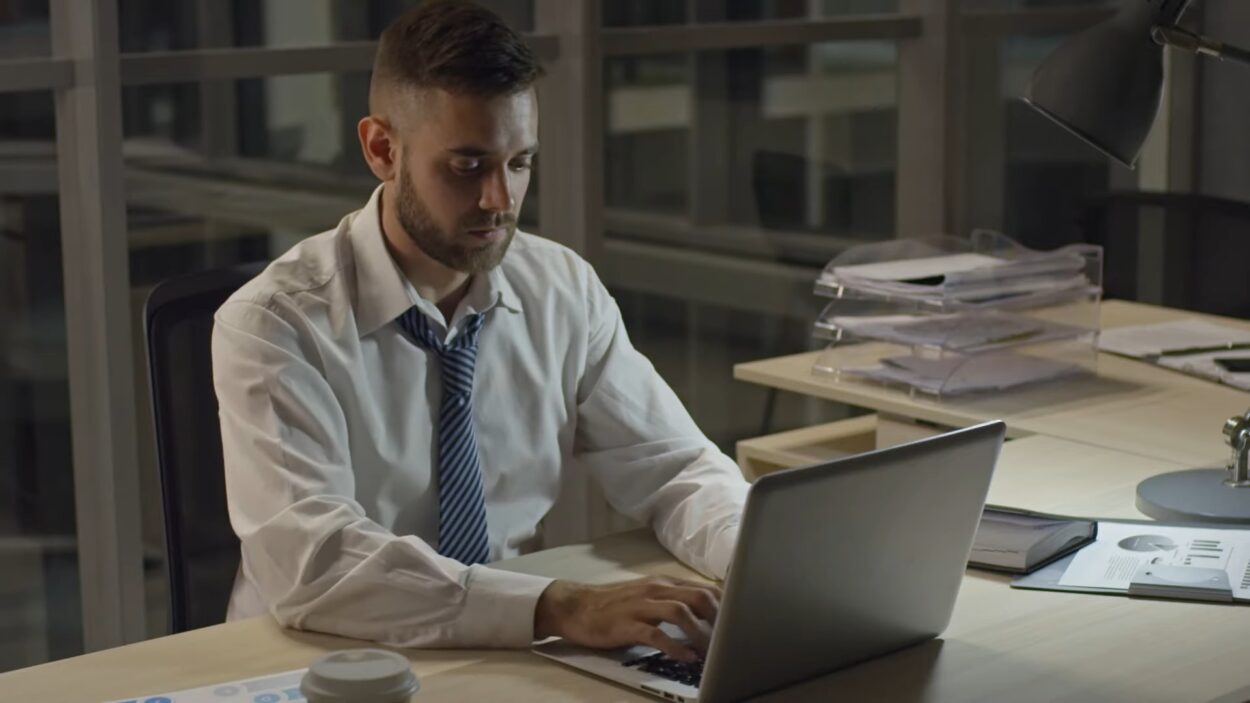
1105 86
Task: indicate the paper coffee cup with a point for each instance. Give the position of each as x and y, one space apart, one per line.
359 676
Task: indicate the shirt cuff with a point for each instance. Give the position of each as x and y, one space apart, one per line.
721 553
499 608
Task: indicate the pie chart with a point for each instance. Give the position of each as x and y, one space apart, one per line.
1147 543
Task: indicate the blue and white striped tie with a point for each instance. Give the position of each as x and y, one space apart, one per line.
461 503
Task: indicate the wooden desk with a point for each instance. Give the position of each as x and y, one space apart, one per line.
1002 644
1131 406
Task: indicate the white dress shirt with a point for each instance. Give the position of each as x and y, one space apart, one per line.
328 423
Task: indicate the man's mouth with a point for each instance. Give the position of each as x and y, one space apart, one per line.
489 234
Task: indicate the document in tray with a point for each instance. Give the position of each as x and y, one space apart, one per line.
965 276
962 332
1122 549
1151 341
948 331
273 687
929 270
958 374
998 289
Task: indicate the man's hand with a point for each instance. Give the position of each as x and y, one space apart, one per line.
629 613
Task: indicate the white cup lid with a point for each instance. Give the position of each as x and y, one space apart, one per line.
360 676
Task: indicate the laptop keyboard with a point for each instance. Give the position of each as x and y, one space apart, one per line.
659 664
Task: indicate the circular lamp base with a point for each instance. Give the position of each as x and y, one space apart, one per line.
1197 495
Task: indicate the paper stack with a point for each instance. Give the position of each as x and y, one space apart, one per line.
963 279
1215 352
961 315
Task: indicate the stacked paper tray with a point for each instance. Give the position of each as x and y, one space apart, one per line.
948 316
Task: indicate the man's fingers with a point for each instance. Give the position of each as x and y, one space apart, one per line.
704 602
654 582
627 613
703 585
682 616
652 636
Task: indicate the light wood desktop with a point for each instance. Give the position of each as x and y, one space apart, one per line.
1002 644
1131 406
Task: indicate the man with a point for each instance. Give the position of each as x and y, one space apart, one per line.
400 395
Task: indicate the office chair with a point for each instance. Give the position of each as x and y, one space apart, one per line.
779 184
202 549
1201 244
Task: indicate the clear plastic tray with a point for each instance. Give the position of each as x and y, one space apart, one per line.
948 316
948 274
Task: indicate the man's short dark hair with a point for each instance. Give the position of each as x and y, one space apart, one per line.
454 45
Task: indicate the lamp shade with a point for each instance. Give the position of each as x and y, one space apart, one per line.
1104 85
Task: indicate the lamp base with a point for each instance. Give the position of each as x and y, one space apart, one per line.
1196 495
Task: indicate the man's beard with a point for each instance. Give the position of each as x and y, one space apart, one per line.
451 249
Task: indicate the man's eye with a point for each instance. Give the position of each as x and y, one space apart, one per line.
521 165
466 165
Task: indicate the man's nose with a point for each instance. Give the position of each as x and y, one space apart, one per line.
496 194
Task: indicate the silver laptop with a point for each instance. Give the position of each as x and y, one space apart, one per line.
835 564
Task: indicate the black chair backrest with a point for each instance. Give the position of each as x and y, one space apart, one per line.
201 548
1197 248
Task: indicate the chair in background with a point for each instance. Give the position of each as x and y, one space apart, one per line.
202 550
779 183
1178 250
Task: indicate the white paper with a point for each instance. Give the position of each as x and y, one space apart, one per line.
1204 365
911 269
1120 550
964 332
274 688
967 278
1151 340
987 290
977 293
948 331
954 375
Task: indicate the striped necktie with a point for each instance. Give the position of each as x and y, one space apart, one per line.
461 503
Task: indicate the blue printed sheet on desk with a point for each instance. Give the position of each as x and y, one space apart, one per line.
1126 554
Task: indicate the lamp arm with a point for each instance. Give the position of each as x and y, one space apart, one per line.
1199 44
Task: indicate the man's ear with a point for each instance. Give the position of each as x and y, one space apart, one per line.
380 150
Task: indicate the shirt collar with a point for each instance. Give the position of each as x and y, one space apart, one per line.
487 291
383 293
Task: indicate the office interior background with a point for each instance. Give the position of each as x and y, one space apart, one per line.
708 156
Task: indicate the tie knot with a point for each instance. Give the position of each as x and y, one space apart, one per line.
421 331
458 357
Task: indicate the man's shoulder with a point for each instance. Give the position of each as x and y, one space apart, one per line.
553 278
533 256
308 273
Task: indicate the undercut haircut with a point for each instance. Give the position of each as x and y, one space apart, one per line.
454 45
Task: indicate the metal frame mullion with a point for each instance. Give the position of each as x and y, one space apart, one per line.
926 195
571 127
1038 21
97 324
218 101
571 203
255 62
980 154
1184 100
232 63
740 35
20 75
709 154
